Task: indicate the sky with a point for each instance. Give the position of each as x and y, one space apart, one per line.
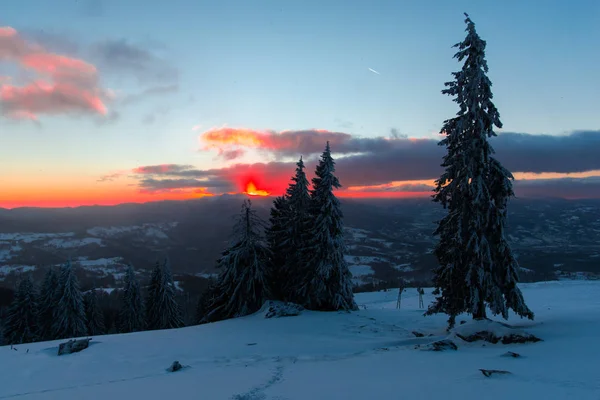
106 101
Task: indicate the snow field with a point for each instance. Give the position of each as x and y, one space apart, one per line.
369 354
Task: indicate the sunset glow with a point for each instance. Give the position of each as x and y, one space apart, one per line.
104 111
252 190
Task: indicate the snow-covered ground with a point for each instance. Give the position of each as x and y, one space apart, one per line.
369 354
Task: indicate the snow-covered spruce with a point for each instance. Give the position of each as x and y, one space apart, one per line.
477 268
327 282
162 309
287 235
131 315
242 286
278 243
298 230
20 325
94 315
69 314
47 303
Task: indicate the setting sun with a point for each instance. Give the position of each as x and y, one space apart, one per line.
251 190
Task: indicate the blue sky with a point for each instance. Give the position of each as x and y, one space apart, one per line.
274 65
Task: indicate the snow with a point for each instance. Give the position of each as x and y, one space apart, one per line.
8 269
361 270
71 243
100 262
155 230
32 237
404 267
366 354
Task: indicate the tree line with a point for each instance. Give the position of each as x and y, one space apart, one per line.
59 310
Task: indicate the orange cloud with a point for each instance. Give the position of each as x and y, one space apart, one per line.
65 84
230 141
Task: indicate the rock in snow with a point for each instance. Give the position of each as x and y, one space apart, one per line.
493 332
176 366
73 346
278 309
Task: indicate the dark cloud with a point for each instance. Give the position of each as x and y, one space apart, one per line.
152 91
569 188
124 57
57 42
381 160
232 154
395 134
159 185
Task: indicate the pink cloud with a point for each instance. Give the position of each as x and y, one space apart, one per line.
66 85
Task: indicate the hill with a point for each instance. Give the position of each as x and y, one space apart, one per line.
361 355
386 239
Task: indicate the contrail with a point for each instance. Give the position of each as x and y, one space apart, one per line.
373 71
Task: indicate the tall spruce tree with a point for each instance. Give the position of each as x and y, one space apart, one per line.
298 227
242 286
477 267
69 314
278 243
48 301
93 313
327 281
162 309
21 321
131 316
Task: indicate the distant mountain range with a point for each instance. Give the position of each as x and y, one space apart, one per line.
386 239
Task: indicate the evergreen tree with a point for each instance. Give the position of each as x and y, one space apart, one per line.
162 310
477 267
242 286
48 301
327 281
278 242
205 301
132 307
20 325
297 229
94 315
69 314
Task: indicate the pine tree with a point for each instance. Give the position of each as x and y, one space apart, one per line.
205 300
69 314
48 301
297 234
20 325
94 315
278 243
131 318
477 267
327 282
162 310
242 286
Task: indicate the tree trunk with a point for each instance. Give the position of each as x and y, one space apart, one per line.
480 314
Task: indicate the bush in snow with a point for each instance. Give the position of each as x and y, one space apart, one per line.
477 268
242 286
20 325
162 309
69 314
326 282
131 316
